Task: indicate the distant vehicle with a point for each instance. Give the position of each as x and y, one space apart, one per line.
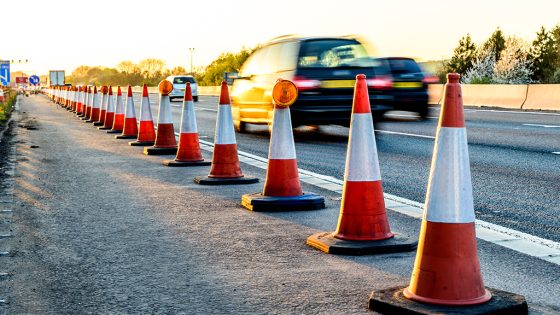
179 84
323 68
56 78
409 90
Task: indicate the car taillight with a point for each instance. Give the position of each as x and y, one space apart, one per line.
430 79
303 83
380 83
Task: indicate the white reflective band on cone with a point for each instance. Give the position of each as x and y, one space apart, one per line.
90 99
224 126
282 137
95 100
449 198
129 110
104 100
119 109
110 104
145 110
188 120
362 163
164 112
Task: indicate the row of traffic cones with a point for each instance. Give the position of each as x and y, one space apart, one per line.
446 277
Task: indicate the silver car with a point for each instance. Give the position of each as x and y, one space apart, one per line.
179 83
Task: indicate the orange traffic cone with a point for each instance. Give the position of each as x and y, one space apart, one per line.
80 100
363 227
85 102
188 152
130 127
118 121
110 112
103 108
446 276
165 137
95 107
225 169
66 97
282 189
146 132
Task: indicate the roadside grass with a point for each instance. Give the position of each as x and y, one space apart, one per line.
7 106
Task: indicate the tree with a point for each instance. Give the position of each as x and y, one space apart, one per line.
495 44
463 56
152 69
178 70
226 62
544 56
127 67
514 66
482 70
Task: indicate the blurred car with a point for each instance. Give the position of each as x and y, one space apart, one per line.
323 69
410 84
179 84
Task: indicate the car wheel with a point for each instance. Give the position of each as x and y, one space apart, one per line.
423 113
195 98
240 126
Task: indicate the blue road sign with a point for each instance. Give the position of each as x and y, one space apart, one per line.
4 72
34 80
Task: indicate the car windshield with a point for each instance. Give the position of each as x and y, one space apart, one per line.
183 80
403 66
333 53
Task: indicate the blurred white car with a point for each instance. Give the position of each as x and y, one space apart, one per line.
179 83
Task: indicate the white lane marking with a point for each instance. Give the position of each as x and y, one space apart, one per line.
515 240
207 109
405 134
545 126
556 152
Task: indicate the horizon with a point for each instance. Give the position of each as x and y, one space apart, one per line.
423 30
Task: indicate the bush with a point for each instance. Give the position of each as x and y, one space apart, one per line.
7 106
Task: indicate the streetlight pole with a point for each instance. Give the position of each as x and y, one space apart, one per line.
192 52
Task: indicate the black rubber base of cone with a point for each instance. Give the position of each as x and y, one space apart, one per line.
160 151
86 120
141 143
125 137
258 202
205 180
329 244
103 128
392 301
185 164
98 123
114 131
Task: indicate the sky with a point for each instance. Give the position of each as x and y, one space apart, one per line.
62 35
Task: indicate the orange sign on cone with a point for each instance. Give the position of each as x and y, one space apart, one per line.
146 132
225 169
130 127
110 113
188 152
165 136
118 121
282 189
363 227
446 272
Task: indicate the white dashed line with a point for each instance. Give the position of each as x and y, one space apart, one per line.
544 126
405 134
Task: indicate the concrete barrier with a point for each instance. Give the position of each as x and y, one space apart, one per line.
543 97
494 95
435 94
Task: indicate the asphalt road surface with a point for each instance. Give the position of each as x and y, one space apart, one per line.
98 228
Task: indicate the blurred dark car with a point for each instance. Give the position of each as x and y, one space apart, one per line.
410 84
323 68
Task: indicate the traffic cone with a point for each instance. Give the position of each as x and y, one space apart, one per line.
66 97
282 189
80 99
85 102
446 277
95 107
110 112
146 132
1 95
75 99
118 121
103 108
130 127
363 227
225 169
188 152
165 137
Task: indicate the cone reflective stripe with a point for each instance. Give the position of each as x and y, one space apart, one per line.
118 121
363 227
85 107
130 127
80 101
89 107
95 106
225 167
188 151
103 108
446 277
146 132
448 250
165 136
110 113
75 98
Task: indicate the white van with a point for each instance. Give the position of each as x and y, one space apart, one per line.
179 83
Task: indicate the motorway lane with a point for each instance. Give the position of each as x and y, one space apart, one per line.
516 178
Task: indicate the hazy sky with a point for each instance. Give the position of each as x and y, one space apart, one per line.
58 34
